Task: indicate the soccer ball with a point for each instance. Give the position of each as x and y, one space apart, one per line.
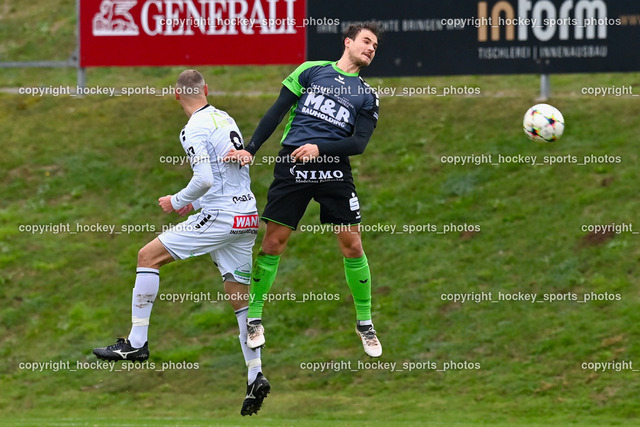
543 123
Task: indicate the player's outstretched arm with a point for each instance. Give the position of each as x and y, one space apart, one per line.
353 145
271 119
266 127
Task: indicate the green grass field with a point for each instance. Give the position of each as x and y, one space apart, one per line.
95 160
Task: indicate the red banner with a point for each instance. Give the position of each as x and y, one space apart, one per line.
191 32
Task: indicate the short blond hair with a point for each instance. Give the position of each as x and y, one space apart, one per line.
190 83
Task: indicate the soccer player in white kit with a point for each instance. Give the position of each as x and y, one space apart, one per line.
225 228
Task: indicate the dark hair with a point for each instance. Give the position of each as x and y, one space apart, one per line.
354 29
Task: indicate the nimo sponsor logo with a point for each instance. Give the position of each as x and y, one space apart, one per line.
194 17
317 175
583 19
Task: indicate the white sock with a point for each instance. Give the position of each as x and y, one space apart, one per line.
251 356
364 323
144 293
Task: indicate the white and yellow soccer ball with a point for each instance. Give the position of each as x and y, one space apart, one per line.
543 123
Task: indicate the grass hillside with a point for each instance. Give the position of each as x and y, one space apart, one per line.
79 162
95 160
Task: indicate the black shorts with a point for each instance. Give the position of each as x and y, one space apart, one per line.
329 182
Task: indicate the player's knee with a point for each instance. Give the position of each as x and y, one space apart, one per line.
273 245
352 249
144 258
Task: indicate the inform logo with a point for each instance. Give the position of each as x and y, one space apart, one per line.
587 18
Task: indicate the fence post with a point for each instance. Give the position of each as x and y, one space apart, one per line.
82 72
545 87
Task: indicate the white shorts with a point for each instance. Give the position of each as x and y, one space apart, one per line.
227 236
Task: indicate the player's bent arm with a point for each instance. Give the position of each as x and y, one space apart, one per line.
353 145
200 183
271 119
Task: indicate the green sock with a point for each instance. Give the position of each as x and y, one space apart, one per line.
356 270
263 275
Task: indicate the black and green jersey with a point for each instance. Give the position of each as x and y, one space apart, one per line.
330 100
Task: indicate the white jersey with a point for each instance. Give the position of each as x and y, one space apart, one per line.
216 185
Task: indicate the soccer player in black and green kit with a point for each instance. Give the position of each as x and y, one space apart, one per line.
332 114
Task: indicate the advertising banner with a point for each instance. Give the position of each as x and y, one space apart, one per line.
191 32
489 36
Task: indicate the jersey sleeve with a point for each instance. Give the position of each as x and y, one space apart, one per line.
271 120
194 141
297 81
353 145
371 106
